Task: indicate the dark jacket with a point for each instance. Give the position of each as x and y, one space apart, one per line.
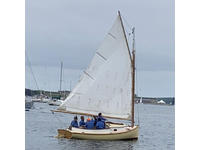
100 125
89 124
74 124
102 118
81 123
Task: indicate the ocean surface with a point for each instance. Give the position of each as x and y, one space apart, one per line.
157 130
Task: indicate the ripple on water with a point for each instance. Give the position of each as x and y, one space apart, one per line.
156 131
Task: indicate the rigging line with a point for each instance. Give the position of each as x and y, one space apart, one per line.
137 87
136 75
126 22
138 114
136 70
128 35
126 31
32 71
58 118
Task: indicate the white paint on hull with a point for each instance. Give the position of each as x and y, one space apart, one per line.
120 133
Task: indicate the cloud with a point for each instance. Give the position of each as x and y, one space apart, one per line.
71 31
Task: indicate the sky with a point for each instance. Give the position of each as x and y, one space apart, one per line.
72 30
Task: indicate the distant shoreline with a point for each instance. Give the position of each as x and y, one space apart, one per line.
155 104
145 100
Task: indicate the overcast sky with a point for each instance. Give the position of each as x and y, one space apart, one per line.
72 30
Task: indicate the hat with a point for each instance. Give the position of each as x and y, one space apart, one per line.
88 119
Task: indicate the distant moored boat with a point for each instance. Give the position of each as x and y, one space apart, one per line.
28 103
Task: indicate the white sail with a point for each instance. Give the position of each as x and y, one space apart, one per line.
106 84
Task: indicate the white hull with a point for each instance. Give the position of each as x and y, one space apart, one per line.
120 133
45 100
36 99
54 103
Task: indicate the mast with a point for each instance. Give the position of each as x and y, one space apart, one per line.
133 69
70 86
133 76
61 77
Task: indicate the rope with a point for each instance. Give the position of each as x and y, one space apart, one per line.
138 114
137 93
128 33
126 22
58 118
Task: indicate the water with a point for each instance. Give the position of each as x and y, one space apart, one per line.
156 130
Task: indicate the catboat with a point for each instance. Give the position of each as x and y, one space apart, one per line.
107 86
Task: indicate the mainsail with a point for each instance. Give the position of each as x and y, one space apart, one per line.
106 84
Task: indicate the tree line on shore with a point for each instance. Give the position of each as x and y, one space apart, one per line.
59 94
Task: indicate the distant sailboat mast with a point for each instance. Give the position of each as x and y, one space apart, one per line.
141 99
61 77
30 66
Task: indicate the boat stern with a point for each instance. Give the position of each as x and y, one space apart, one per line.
64 133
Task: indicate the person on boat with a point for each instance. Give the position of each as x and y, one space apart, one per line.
95 120
74 122
102 118
89 124
100 124
82 123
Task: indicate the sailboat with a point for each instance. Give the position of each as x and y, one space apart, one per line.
28 103
56 102
41 98
107 86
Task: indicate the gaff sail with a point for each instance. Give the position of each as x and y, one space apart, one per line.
105 85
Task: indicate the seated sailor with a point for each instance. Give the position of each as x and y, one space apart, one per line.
82 123
74 122
102 118
100 124
95 120
89 124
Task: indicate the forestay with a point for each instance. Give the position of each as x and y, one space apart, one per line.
106 84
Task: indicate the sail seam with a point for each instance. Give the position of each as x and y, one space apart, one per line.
112 35
88 75
89 110
101 56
